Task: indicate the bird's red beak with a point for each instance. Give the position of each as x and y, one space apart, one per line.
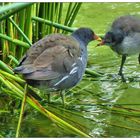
95 37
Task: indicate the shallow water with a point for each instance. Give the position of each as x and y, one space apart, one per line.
99 106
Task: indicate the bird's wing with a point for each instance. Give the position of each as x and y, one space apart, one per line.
49 58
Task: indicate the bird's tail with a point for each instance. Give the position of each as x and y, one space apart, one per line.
24 71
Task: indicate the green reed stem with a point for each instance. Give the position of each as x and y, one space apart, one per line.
34 103
21 23
43 30
12 8
52 10
12 58
5 67
13 77
74 14
22 111
60 26
92 73
15 41
71 14
40 26
59 19
20 31
28 29
18 92
3 46
10 33
36 24
5 50
68 13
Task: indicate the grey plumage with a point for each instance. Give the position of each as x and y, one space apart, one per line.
124 38
57 61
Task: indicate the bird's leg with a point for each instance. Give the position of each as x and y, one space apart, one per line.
139 58
121 67
62 94
47 93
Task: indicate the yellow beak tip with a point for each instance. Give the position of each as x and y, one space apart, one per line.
99 39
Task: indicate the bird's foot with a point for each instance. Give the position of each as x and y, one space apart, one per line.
122 77
62 95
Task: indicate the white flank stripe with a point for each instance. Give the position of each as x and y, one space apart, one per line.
61 80
64 78
73 70
80 58
73 64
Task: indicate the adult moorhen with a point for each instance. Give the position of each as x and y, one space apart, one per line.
57 62
124 38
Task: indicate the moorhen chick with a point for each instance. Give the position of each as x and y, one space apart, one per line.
57 62
124 38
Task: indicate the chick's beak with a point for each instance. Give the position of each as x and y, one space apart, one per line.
95 37
101 43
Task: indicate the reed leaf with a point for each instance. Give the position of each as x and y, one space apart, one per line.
13 77
34 103
124 127
6 68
